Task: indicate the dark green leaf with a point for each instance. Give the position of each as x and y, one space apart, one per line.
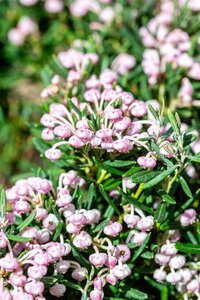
108 199
188 248
119 163
185 187
136 294
159 178
18 238
58 231
101 225
90 196
161 213
141 249
174 123
27 222
168 199
164 293
132 171
144 176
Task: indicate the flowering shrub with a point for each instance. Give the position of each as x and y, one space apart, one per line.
114 213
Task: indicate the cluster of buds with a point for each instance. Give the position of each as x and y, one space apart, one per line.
106 118
174 269
168 46
26 263
142 225
51 6
25 27
105 11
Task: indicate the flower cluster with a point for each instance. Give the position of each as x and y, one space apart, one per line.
39 254
51 6
25 27
166 44
174 268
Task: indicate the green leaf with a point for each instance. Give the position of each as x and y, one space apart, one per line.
154 113
119 163
71 284
168 199
174 123
183 207
26 222
159 178
101 225
58 231
90 196
141 249
57 67
40 145
136 203
18 238
136 294
161 213
108 168
108 199
132 171
188 248
144 176
185 187
80 258
157 150
2 204
194 158
164 293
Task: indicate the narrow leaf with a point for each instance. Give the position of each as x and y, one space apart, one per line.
108 199
144 176
26 222
159 178
136 294
141 249
188 248
18 238
185 187
161 213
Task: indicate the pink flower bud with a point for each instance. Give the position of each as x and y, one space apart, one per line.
16 37
188 217
47 134
162 259
76 142
96 295
146 162
173 277
139 109
54 6
71 228
28 2
83 240
22 206
42 258
79 274
113 114
111 279
193 286
43 236
17 279
62 266
16 295
131 220
99 282
186 275
37 272
77 219
139 238
84 133
41 213
92 216
29 232
123 124
104 134
122 252
134 128
64 200
112 229
177 262
34 287
169 249
122 146
121 272
5 295
50 222
146 223
57 290
3 243
159 275
62 131
48 121
53 154
98 259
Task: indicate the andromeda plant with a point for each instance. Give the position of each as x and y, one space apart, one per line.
121 207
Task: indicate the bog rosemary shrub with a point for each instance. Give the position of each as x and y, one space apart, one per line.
115 214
